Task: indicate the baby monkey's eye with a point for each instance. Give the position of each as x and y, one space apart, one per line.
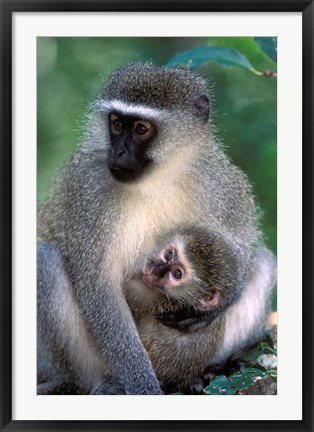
177 274
168 255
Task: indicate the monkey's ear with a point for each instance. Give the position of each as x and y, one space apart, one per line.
210 304
202 107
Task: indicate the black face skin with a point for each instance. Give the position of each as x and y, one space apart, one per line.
130 138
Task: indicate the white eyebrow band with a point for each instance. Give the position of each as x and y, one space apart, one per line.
130 109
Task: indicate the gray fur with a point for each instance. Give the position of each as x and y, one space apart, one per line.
100 226
180 351
147 84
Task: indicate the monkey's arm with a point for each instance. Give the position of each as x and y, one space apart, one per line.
187 319
68 360
104 357
113 328
84 216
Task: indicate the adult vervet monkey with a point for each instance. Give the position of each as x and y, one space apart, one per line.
149 162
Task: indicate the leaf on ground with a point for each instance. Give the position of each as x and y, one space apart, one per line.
266 346
236 382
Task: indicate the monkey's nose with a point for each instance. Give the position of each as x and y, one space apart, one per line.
160 269
121 153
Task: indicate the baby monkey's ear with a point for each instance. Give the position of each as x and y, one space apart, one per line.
212 303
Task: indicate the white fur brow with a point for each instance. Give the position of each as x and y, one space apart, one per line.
130 109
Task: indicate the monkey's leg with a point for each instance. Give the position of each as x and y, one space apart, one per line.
68 361
233 364
246 320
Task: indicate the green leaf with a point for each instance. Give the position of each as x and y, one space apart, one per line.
238 381
267 349
268 45
198 56
253 354
266 346
272 373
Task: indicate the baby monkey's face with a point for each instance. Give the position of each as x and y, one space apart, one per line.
181 272
168 270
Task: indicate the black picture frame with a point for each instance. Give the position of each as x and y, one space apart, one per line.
7 9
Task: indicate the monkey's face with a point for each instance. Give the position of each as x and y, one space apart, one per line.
170 272
130 137
167 271
152 114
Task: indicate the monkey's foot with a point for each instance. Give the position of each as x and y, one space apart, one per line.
108 387
196 385
57 387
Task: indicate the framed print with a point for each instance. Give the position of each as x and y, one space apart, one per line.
119 77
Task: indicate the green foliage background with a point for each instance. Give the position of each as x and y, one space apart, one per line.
71 72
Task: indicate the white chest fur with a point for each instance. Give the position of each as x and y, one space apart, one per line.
144 216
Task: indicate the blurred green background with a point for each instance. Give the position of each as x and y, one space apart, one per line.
71 72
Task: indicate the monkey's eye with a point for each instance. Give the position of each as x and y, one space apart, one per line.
117 125
177 274
168 255
142 128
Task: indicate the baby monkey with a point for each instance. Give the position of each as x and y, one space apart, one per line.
178 298
193 278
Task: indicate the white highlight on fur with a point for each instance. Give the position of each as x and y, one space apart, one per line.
246 318
131 109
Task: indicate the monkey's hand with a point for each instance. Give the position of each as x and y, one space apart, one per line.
187 319
196 385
